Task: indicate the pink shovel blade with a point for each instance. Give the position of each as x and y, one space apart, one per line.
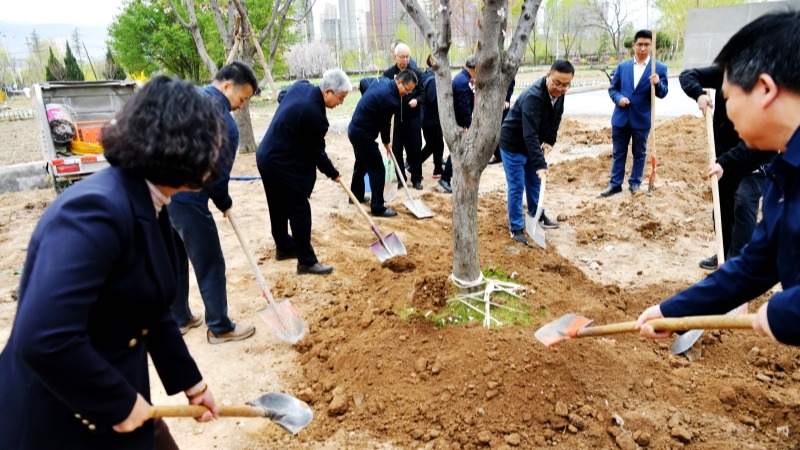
284 321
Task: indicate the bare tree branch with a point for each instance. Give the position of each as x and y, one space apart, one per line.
192 27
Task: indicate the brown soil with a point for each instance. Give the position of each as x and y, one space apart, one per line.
377 380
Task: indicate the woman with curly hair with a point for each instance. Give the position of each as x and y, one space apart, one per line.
98 280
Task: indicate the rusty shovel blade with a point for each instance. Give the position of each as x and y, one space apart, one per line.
561 329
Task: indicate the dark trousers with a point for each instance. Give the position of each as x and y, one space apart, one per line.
370 162
199 241
407 134
434 145
164 440
620 137
447 174
738 200
289 208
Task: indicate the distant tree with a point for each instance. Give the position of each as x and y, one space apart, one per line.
72 71
309 60
37 56
76 43
112 70
55 70
674 14
611 16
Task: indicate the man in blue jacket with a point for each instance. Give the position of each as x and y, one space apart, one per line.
531 128
373 116
762 89
288 158
233 85
463 105
630 122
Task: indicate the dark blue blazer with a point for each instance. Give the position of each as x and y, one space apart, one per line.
463 99
373 114
430 107
637 113
294 145
94 300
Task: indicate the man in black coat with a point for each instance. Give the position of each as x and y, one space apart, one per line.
407 122
463 105
740 190
373 116
528 131
288 158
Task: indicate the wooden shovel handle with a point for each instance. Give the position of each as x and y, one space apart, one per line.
673 324
249 254
357 203
712 157
197 411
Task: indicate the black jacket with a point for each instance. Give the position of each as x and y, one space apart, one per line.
430 107
294 146
374 113
418 93
463 99
732 154
532 121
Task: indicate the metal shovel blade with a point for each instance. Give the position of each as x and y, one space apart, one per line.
288 412
389 191
285 410
418 208
284 321
685 341
388 247
561 329
535 229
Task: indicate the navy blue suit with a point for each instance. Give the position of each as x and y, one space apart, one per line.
94 299
373 116
632 122
463 104
431 128
408 126
288 157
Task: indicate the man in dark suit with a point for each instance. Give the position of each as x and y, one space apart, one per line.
531 128
288 158
630 122
373 116
740 190
407 121
99 276
232 85
463 105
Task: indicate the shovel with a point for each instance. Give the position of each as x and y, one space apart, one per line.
387 246
417 207
685 341
280 317
653 160
532 225
573 326
283 409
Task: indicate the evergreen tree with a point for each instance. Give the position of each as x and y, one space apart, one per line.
55 70
73 71
113 71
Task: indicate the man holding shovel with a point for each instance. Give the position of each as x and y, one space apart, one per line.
762 89
740 190
529 130
233 85
373 116
288 158
631 121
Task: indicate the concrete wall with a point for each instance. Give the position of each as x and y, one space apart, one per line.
708 29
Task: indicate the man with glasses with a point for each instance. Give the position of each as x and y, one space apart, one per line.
630 91
373 116
528 132
288 158
408 120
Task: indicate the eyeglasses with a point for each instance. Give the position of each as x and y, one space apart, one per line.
408 91
403 56
559 85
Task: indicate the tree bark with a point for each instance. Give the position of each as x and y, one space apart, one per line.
470 150
194 30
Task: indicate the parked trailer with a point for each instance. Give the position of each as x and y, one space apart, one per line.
86 106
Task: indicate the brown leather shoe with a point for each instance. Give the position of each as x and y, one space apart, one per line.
239 333
194 322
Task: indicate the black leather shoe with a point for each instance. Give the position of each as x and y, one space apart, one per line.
281 255
634 188
365 200
316 269
495 160
611 190
710 263
519 236
386 213
418 186
547 222
446 186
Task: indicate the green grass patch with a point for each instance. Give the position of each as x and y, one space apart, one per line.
457 313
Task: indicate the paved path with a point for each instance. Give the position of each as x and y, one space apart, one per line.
597 102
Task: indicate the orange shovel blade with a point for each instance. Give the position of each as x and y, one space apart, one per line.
561 329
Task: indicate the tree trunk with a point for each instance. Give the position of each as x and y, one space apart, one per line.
247 141
466 261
